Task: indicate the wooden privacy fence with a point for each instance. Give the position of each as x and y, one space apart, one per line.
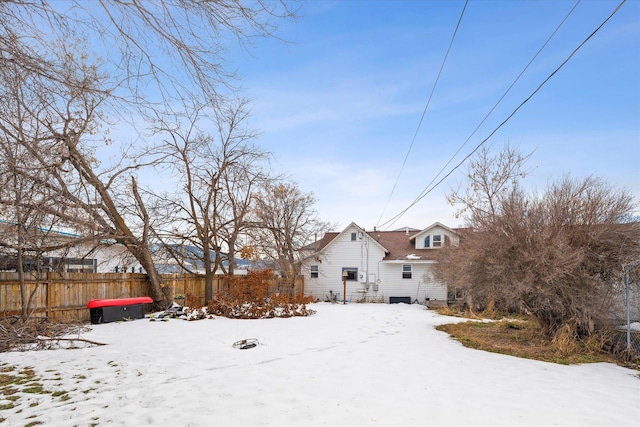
65 296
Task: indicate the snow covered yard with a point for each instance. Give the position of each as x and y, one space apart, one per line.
353 365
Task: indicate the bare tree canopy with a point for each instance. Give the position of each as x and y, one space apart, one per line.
155 51
489 180
285 222
559 256
50 124
219 168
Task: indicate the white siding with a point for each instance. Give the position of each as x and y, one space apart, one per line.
385 277
419 287
116 255
107 257
363 253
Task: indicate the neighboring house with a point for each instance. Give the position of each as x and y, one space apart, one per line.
384 266
74 255
83 258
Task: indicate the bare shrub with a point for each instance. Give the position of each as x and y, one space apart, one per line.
249 298
558 256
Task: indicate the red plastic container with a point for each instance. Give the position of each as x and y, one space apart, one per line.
114 310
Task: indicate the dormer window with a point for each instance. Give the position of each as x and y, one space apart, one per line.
434 241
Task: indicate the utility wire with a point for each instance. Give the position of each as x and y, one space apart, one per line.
428 190
505 93
424 111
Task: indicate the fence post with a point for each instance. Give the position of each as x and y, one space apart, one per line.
47 295
627 285
628 301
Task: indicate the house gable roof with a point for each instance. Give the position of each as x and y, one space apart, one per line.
431 227
398 245
333 236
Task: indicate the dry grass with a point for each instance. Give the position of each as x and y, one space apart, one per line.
523 337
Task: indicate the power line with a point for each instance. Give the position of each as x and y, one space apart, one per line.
424 111
428 190
505 93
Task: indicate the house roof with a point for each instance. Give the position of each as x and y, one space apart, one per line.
331 236
322 243
398 244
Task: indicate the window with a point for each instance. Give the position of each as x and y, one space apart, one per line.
353 237
72 265
352 273
426 241
314 271
406 271
437 241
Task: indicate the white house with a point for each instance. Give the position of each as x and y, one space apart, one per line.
384 266
74 255
90 258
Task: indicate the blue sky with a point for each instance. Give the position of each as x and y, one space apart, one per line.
339 105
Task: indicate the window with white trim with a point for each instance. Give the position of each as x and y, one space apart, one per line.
437 241
314 271
406 271
352 273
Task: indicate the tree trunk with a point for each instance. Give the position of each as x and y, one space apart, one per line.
208 275
159 293
24 303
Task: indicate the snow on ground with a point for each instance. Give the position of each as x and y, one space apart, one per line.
347 365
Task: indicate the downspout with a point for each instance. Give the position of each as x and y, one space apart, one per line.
361 253
367 282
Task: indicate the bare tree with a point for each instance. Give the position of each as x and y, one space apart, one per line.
489 180
175 51
285 222
243 171
558 256
29 211
54 131
217 174
26 225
